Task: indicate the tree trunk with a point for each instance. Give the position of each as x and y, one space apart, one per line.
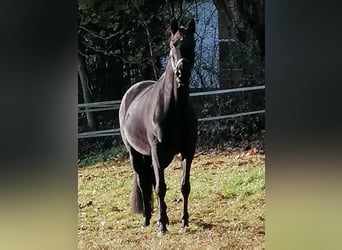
239 22
85 91
225 23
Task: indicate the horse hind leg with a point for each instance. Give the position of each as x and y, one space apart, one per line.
142 187
145 187
146 178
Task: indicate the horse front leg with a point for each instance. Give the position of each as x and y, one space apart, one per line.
185 189
160 188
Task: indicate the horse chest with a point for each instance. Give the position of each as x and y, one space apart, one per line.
173 130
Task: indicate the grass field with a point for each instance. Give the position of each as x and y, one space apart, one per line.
226 205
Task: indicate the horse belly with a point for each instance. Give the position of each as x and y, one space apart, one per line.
135 131
139 145
134 116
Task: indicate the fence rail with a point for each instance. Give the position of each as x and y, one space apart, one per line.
225 91
98 106
99 133
114 105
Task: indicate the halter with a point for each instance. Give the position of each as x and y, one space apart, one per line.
175 67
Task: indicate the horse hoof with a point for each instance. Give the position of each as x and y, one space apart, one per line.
162 233
185 224
162 230
145 223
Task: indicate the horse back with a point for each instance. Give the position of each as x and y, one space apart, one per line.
133 92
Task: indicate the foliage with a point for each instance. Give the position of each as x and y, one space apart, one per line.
232 134
125 30
240 132
113 154
226 205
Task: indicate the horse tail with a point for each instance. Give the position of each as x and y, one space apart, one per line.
137 202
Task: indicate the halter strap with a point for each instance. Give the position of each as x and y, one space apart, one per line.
174 67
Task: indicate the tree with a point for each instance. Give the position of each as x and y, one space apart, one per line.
85 91
242 35
120 36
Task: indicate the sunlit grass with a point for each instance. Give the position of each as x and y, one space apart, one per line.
226 205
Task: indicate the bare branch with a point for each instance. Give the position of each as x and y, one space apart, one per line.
148 40
110 53
82 54
97 36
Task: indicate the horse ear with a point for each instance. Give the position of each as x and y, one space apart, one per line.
191 26
174 25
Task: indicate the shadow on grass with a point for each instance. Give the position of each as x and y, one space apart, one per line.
204 225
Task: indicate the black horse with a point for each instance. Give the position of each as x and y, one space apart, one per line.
157 121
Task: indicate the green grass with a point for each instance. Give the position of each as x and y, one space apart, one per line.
226 205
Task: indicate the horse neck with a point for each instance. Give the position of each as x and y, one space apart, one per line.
179 95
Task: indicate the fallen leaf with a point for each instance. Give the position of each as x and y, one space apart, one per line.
220 196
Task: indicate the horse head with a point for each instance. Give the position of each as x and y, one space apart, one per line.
182 51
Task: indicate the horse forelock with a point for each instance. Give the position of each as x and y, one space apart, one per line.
175 36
